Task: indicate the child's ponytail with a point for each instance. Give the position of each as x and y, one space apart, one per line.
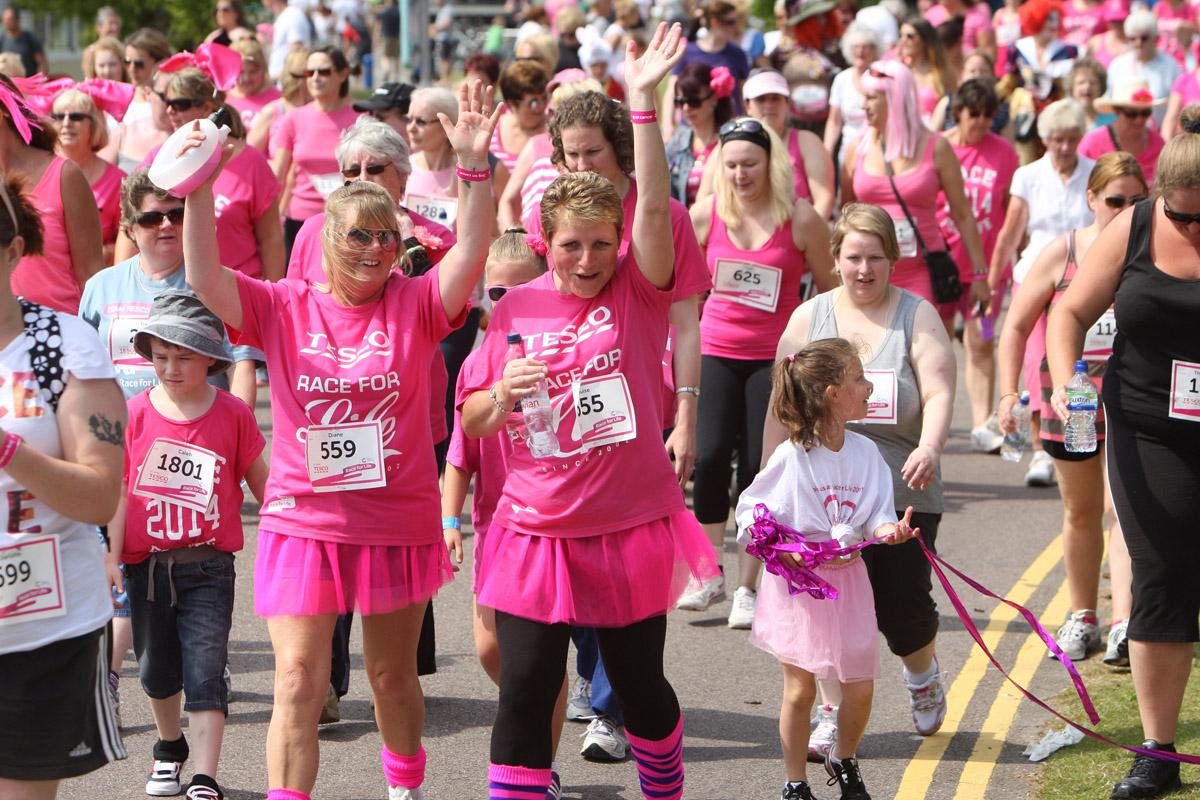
801 403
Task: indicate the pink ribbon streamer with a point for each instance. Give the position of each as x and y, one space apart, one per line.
770 539
215 60
16 107
111 97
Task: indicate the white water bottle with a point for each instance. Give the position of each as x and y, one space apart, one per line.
535 409
1016 443
1082 401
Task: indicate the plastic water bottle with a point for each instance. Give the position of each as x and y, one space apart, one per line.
1082 401
535 409
1015 444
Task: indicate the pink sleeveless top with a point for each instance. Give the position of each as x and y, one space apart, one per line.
509 160
800 176
107 191
49 279
541 174
927 100
754 293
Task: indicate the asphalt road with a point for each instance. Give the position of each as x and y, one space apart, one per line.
995 529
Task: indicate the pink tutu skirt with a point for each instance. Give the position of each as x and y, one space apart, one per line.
297 576
477 560
606 581
832 639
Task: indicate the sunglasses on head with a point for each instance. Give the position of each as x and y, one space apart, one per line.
355 170
324 72
136 63
690 102
743 125
74 116
180 104
494 293
1178 217
1135 113
152 219
1118 201
361 237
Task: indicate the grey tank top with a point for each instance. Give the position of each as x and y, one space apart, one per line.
894 419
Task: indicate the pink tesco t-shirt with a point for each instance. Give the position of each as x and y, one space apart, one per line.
486 459
1081 22
1188 88
156 446
1097 142
604 356
249 107
311 136
987 170
342 374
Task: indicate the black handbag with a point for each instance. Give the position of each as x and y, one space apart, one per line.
943 272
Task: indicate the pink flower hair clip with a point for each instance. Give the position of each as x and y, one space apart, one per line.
428 239
722 82
536 243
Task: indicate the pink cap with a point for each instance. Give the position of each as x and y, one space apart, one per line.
768 82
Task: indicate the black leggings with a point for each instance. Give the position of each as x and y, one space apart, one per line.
533 662
734 395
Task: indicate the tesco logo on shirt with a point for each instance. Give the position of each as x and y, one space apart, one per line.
548 343
377 343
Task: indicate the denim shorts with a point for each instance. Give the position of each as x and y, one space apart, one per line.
181 635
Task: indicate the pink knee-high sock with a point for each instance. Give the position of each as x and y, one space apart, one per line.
405 771
517 783
286 794
660 764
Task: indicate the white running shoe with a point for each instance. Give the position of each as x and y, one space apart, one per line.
579 704
1041 470
1117 654
824 736
928 703
987 437
699 598
163 780
741 616
402 793
1077 638
604 740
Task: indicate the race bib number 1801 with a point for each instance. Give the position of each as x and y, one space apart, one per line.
179 473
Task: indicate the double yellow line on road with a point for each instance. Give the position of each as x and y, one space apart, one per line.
918 776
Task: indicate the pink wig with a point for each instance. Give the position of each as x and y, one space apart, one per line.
895 82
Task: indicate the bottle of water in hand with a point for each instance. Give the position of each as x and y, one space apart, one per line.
1082 401
536 409
1016 443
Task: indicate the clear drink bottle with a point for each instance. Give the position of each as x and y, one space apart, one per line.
1082 401
535 409
1015 444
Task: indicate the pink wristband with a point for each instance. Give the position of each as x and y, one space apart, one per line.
643 117
473 175
9 449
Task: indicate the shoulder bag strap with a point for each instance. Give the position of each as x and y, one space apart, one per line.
916 231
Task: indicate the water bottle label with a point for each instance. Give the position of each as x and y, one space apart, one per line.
1185 391
1080 405
603 411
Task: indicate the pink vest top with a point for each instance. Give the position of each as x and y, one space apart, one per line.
49 279
919 188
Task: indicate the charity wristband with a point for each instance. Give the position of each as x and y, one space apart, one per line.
693 390
496 401
472 175
451 522
9 449
643 117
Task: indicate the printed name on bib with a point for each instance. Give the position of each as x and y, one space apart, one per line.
1185 391
31 582
906 237
179 473
753 285
881 405
1098 344
345 457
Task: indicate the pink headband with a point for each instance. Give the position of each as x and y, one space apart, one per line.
16 107
111 97
215 60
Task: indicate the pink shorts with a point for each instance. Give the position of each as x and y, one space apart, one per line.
297 576
606 581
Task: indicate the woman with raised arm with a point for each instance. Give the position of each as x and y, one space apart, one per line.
594 533
352 513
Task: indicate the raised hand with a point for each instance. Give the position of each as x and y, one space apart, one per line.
662 54
472 134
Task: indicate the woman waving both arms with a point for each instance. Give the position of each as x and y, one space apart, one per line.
354 454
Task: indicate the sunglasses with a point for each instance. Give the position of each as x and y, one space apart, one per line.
297 75
136 63
730 21
180 104
690 102
324 72
494 293
1130 113
354 171
1117 201
153 219
224 9
1178 217
743 125
74 116
361 238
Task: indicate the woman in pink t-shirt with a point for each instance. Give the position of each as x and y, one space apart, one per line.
307 137
1184 92
596 533
351 518
252 93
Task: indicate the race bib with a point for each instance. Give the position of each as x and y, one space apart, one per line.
443 210
121 331
346 457
327 184
881 405
1185 391
906 237
603 411
179 473
1098 344
752 285
31 581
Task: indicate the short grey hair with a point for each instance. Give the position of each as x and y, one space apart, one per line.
1061 115
439 98
1141 22
858 32
377 139
104 12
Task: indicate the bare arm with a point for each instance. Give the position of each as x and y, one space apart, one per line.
260 130
243 382
795 336
936 371
847 184
481 417
937 120
818 166
833 130
1016 218
455 483
1171 121
811 235
82 223
508 211
701 214
116 543
215 285
268 230
685 369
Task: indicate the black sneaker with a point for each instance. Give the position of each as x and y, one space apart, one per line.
1148 777
845 774
204 788
796 790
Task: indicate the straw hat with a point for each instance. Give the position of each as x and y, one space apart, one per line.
1129 93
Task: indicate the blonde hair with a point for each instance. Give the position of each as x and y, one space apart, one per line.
513 245
11 65
293 88
195 85
801 382
75 100
359 204
565 91
1179 163
1110 166
781 184
105 44
545 49
581 196
868 219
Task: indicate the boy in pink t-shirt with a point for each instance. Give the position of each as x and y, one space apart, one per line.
187 448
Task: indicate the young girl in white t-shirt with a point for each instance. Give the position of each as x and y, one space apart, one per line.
824 482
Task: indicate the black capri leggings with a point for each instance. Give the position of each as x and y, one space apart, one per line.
533 662
902 581
734 395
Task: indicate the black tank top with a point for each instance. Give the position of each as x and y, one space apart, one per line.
1158 327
